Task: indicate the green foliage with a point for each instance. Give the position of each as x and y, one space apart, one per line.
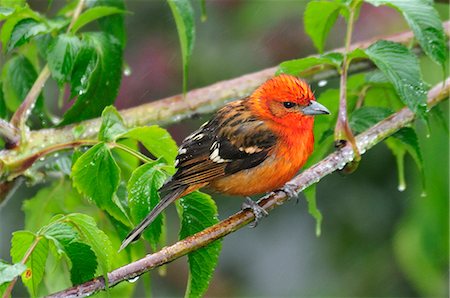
61 56
112 125
401 67
318 27
297 66
96 76
143 196
198 211
9 272
98 162
184 18
94 13
426 25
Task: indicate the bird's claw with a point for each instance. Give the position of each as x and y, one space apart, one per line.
291 191
257 210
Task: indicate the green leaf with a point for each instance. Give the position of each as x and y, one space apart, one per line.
96 76
3 109
408 137
97 240
13 19
156 140
24 30
112 125
84 262
184 18
198 211
18 76
143 196
61 56
425 23
25 243
112 24
310 194
60 234
319 18
93 14
296 66
365 117
9 272
401 67
96 175
5 12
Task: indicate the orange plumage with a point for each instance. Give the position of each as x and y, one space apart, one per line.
250 146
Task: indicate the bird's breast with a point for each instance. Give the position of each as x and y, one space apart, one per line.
283 162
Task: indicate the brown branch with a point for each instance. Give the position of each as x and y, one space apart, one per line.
331 163
175 108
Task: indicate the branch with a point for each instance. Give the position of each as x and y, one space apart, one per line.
331 163
175 108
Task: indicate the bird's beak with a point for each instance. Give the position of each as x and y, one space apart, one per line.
315 108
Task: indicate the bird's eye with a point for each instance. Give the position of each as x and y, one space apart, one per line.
288 104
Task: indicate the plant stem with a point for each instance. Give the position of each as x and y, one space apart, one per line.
342 131
328 165
135 153
9 133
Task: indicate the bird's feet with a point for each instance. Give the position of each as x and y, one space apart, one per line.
291 191
257 210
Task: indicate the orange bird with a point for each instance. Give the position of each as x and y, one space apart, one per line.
250 146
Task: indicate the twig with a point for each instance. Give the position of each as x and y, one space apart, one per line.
175 108
9 133
331 163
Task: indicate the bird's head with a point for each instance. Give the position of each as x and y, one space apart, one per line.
286 100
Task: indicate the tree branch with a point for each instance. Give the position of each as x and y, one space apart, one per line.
175 108
331 163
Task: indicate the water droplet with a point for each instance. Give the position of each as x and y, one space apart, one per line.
127 71
133 279
423 194
401 187
322 83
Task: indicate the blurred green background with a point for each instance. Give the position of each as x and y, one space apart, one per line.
376 240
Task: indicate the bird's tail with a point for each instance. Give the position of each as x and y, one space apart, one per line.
166 201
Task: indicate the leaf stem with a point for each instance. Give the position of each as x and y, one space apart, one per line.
9 133
342 131
130 151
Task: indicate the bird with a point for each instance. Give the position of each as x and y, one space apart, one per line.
250 146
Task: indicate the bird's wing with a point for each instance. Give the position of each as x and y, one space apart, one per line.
233 140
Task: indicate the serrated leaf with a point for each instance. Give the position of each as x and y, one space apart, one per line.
156 140
184 18
424 21
9 272
84 262
24 30
401 67
96 175
112 24
296 66
93 14
61 56
95 238
198 211
96 76
26 243
61 234
143 196
18 76
13 19
310 195
365 117
319 18
112 125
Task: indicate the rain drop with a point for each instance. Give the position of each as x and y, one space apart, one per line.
133 279
401 187
322 83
